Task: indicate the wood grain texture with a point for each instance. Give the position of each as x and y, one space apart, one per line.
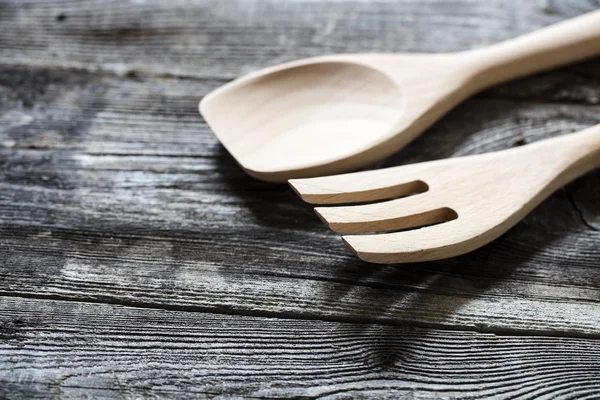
114 197
113 191
214 38
56 349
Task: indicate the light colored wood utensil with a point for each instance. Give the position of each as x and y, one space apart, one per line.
472 200
337 113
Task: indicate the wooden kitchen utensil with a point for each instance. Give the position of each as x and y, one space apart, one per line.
333 114
472 200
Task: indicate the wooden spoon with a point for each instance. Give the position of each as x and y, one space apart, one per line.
333 114
472 199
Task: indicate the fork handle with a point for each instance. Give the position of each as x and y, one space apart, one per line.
579 152
565 42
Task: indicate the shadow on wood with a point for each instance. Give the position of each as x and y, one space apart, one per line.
274 204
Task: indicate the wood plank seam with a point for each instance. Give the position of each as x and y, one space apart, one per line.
489 94
479 328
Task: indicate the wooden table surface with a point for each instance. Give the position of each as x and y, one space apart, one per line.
138 260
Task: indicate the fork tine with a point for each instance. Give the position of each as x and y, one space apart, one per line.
426 244
360 186
408 212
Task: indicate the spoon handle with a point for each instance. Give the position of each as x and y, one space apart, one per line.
562 43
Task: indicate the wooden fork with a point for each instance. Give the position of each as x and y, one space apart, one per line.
471 200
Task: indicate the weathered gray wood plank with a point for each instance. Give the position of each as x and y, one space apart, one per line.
137 260
68 350
214 38
113 190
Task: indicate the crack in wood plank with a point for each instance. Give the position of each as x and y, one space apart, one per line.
480 328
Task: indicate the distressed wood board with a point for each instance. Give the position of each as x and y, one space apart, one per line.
132 352
120 210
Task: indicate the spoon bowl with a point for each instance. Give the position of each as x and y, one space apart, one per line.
324 115
272 122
